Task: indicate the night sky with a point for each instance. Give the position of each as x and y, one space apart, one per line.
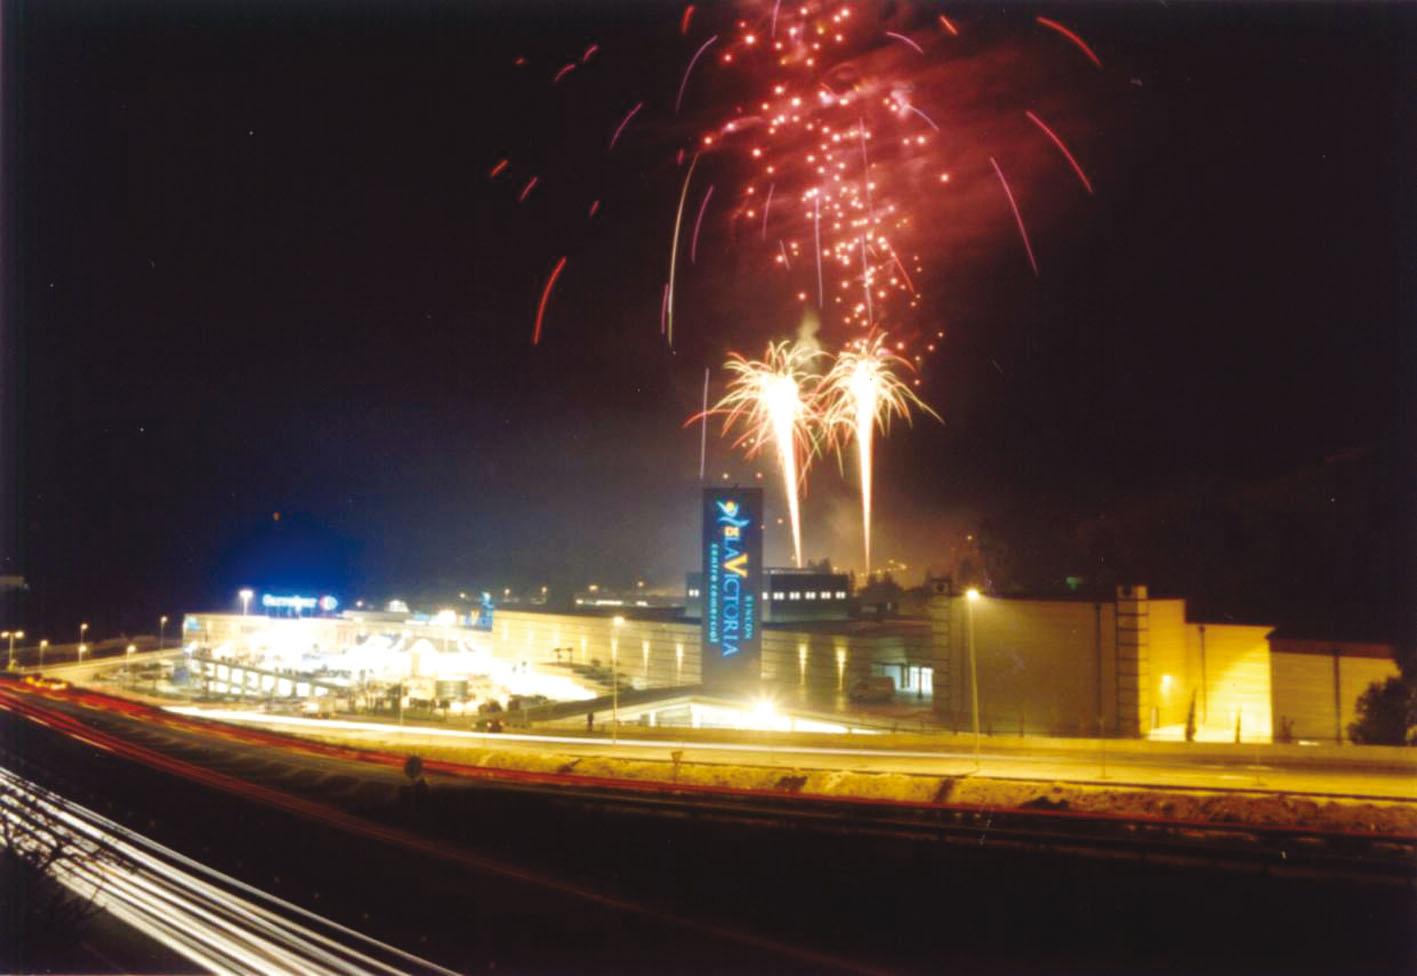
270 320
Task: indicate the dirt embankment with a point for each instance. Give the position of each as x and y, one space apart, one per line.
1227 807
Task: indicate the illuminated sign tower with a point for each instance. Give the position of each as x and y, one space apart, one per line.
731 627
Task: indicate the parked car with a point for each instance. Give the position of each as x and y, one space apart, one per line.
878 688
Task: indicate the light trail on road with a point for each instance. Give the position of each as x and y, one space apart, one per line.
25 705
212 919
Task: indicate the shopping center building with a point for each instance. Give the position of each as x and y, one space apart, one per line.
1129 666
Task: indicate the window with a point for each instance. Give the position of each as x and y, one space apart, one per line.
794 595
826 594
777 595
811 594
841 594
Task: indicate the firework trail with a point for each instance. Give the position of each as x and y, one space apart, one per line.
928 121
703 429
674 251
863 391
1018 218
698 223
817 243
1070 35
772 400
545 297
679 101
624 122
1062 148
905 40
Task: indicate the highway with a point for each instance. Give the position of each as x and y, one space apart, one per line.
1111 763
212 919
620 877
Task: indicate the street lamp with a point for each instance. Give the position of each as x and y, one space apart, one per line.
161 626
618 622
971 597
245 601
42 645
82 628
12 634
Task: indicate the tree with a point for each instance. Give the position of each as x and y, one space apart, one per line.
1387 714
42 917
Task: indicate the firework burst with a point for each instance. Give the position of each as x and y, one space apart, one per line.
772 402
863 390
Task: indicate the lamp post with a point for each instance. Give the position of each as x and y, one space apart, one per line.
12 634
161 628
42 645
971 597
245 601
82 629
618 622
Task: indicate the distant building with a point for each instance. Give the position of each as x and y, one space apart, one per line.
788 595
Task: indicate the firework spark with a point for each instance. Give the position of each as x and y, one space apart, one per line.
772 402
863 391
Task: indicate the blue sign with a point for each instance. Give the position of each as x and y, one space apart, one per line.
484 612
731 627
296 603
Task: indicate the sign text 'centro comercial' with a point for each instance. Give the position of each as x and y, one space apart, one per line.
733 579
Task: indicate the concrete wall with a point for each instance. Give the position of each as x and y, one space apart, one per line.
1045 666
648 653
1234 662
1172 680
1317 691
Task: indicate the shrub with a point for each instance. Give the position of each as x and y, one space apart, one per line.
1387 713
